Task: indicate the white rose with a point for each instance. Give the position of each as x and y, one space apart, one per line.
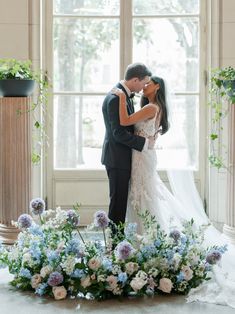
26 258
59 292
165 285
142 275
45 271
116 269
69 264
176 259
94 263
137 284
101 278
131 268
154 272
112 281
188 273
35 280
194 259
85 282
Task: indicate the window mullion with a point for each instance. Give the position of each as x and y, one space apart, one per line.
125 35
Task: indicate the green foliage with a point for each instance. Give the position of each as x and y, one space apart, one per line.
222 96
21 70
15 69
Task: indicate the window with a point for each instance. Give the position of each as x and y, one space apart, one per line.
93 42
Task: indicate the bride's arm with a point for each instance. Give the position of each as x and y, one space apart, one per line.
144 113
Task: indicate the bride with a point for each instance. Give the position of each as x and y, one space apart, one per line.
148 192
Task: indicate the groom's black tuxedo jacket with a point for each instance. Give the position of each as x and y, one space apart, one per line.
119 140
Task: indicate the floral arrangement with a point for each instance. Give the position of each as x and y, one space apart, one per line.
54 258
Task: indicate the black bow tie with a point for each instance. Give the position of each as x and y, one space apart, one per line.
132 95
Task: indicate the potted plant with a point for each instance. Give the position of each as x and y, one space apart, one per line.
18 79
222 91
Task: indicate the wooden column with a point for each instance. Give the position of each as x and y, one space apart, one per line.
229 227
15 163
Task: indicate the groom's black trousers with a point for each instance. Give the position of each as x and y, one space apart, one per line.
118 193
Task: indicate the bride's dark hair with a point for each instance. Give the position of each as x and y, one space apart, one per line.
161 102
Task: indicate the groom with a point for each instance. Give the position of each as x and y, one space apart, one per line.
120 140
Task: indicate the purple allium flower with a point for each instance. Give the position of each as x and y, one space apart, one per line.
175 234
25 221
101 219
37 206
73 217
124 250
213 257
55 279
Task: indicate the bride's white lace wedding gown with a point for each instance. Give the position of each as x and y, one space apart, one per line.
148 192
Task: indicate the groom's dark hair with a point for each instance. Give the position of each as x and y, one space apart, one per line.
138 70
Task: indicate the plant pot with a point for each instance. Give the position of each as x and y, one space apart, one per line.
16 88
229 87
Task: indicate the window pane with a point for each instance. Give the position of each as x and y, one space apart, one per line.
165 6
87 7
78 131
172 53
86 54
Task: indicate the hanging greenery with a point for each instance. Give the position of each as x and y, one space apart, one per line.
222 95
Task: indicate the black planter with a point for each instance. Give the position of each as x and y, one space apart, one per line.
229 87
16 88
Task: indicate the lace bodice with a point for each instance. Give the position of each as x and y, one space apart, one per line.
148 127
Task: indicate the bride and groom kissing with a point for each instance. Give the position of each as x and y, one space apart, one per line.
128 153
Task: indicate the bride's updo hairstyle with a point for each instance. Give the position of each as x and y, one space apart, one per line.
160 101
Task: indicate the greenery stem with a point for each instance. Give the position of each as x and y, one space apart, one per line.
105 243
81 236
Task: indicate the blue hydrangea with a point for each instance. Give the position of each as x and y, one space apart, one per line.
157 243
181 249
24 272
35 250
183 239
180 277
73 246
169 255
107 264
36 230
122 277
78 273
148 251
139 257
41 289
130 231
223 248
53 257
